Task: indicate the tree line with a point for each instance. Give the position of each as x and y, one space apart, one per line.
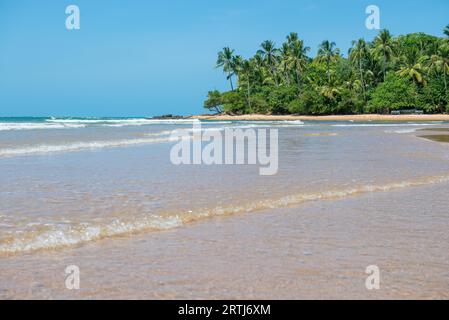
389 73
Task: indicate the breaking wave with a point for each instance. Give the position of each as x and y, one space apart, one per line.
387 124
401 131
6 126
122 122
57 236
78 146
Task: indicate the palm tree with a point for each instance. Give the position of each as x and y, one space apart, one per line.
298 59
259 68
284 61
439 62
292 38
246 70
225 60
270 54
383 49
413 66
373 69
354 85
446 30
235 64
327 52
357 55
330 91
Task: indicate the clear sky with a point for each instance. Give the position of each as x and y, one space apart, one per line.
142 58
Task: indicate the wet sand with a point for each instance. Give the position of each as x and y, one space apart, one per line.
318 250
436 134
437 137
358 117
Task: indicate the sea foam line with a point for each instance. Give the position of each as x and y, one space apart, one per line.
156 137
144 121
63 236
387 124
6 126
136 121
78 146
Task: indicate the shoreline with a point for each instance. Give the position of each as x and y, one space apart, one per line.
357 117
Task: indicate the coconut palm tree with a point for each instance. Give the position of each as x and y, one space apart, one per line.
259 68
446 30
284 62
357 55
383 49
292 38
235 64
439 63
330 91
298 59
413 66
327 51
225 61
270 54
246 70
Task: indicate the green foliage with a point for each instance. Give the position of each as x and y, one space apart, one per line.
394 94
214 101
434 97
349 103
310 102
259 104
279 97
234 102
386 74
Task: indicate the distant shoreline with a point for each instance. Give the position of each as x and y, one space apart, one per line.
357 117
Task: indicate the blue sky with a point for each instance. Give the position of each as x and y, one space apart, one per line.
142 58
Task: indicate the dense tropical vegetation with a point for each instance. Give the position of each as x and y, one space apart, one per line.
389 73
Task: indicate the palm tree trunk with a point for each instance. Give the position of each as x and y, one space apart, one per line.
445 81
361 79
273 72
249 96
445 85
298 80
230 80
287 78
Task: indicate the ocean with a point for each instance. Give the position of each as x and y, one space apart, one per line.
103 194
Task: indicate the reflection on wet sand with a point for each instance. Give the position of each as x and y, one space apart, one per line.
435 134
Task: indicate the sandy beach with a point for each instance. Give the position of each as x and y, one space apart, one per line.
102 195
355 117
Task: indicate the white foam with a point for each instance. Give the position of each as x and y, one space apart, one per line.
123 122
293 122
158 134
66 235
215 122
6 126
272 122
386 124
401 131
78 146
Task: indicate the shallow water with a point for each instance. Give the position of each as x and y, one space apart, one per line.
104 195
